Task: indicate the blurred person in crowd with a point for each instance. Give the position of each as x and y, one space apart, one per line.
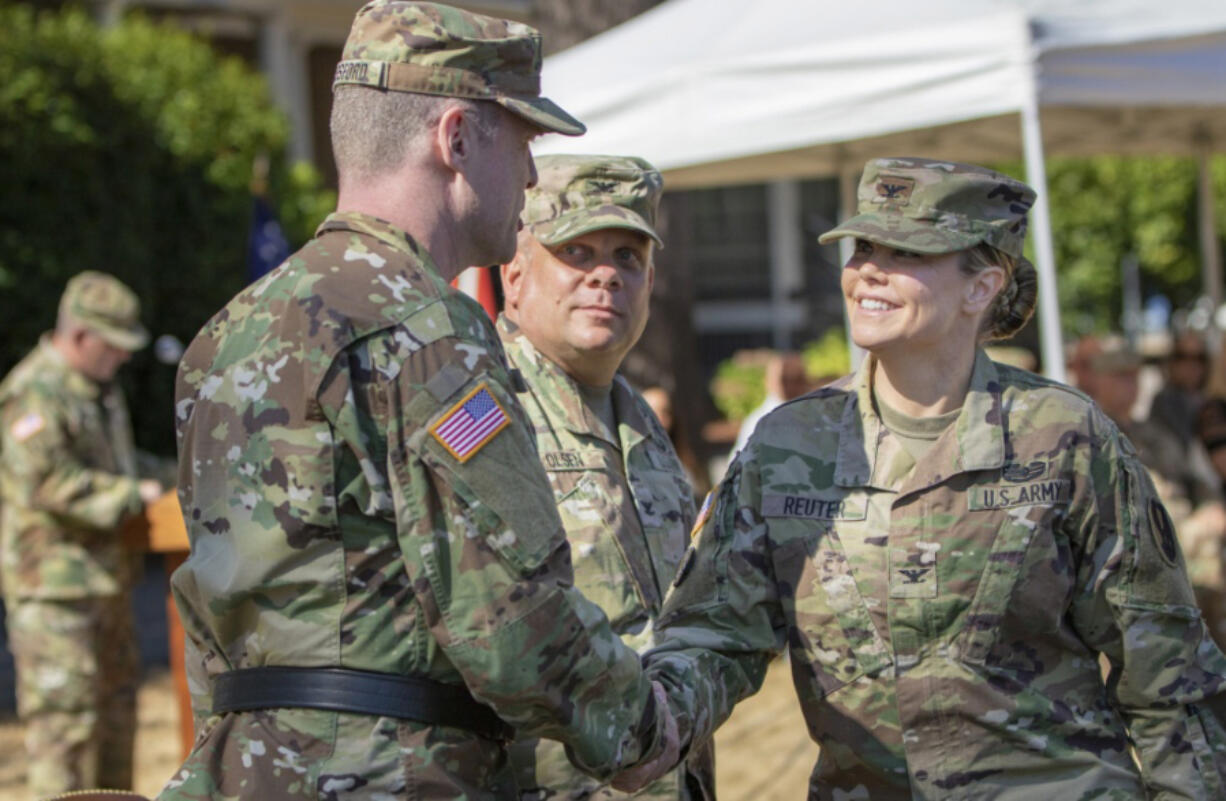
1211 433
785 379
661 402
946 545
1082 351
68 479
577 296
1110 371
1195 505
380 594
1175 407
1211 416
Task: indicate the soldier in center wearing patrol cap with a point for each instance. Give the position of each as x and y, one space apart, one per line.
577 301
947 545
379 593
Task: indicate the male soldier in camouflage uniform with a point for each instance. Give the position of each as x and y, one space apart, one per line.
577 301
379 587
67 480
945 591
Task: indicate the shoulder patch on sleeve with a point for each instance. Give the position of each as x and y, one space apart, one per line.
470 424
27 426
704 512
1163 531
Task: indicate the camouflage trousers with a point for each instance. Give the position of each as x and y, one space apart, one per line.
77 674
314 755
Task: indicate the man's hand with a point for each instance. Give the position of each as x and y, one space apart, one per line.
629 781
150 490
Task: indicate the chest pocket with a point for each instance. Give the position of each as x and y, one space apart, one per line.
660 498
87 427
1028 566
829 627
590 507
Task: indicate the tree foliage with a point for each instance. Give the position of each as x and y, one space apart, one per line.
130 150
1107 208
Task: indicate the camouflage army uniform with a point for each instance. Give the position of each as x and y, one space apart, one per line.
67 479
944 619
332 524
627 508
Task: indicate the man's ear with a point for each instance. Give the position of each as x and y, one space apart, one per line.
512 274
454 138
79 336
983 287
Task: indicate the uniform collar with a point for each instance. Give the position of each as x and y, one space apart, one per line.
978 434
564 401
359 223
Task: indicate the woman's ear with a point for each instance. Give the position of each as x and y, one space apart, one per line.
982 288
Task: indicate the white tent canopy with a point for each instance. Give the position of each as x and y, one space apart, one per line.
715 92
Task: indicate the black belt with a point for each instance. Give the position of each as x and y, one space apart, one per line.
361 691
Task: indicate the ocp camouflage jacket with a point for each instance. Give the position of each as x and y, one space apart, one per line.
945 619
67 480
361 489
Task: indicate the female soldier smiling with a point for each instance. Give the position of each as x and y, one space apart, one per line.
947 545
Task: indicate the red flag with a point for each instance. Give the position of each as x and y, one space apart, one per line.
478 284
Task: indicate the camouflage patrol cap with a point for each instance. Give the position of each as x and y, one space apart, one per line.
930 206
578 194
1114 355
435 49
102 303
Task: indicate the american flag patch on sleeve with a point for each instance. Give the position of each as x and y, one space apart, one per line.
704 512
466 427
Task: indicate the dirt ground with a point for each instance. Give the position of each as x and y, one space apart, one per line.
762 752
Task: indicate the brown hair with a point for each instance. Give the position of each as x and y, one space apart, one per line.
1015 302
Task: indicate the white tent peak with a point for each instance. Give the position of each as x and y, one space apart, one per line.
715 93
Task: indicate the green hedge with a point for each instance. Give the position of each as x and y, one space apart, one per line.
129 150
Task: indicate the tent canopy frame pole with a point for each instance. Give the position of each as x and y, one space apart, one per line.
1051 344
1210 245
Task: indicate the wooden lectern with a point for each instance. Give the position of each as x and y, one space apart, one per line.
160 529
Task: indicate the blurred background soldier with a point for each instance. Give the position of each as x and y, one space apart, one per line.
577 300
379 588
1107 370
67 480
1176 405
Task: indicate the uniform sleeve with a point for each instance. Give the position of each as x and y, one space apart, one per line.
721 622
50 478
490 565
1135 605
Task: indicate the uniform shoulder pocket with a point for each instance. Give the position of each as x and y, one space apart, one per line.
477 443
